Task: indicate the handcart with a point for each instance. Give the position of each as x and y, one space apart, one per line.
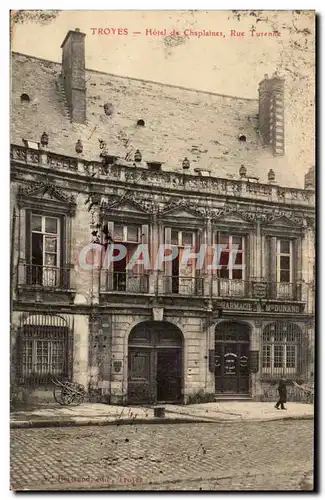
308 391
68 393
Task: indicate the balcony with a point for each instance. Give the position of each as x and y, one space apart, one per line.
177 285
43 277
130 282
127 282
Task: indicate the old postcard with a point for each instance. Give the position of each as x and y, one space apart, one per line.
162 255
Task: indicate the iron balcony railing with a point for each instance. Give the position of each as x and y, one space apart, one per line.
124 282
131 282
47 277
178 285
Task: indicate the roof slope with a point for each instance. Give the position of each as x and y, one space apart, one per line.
179 122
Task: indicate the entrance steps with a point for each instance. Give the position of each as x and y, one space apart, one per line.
232 397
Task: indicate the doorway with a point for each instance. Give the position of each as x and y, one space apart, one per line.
232 341
155 363
168 375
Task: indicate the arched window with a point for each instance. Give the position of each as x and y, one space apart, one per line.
282 346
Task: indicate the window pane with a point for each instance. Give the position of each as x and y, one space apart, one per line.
284 263
279 334
57 358
224 259
51 225
224 240
237 240
187 239
42 356
36 223
37 249
285 276
50 259
278 356
238 258
291 356
266 356
50 244
237 274
133 233
118 232
284 246
224 272
174 237
267 336
27 360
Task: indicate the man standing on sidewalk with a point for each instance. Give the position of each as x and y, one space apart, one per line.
282 388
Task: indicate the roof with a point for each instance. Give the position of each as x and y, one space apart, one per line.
202 126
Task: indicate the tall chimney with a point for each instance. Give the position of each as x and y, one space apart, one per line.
310 179
271 113
73 69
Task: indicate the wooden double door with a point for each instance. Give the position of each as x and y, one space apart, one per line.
232 348
155 364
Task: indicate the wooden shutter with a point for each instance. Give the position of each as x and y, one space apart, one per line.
28 239
107 274
248 240
199 237
168 265
247 271
271 244
294 266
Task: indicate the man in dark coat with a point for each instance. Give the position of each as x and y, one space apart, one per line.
282 388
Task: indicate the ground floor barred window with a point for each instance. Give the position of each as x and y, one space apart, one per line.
44 351
282 349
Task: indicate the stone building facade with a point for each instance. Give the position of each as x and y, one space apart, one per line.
99 160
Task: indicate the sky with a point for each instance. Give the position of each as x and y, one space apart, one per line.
231 65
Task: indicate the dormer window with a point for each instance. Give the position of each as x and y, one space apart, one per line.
154 166
24 98
140 123
30 144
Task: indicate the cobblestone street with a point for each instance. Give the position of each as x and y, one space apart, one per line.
245 456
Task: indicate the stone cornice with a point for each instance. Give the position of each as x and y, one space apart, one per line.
124 173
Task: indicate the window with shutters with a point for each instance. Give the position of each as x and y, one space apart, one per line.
281 349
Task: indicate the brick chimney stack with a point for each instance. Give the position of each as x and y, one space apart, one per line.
271 113
310 179
73 69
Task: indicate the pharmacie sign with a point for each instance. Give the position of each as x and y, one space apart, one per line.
236 306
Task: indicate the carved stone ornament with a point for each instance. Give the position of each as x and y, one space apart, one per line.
176 204
45 187
286 215
146 205
158 313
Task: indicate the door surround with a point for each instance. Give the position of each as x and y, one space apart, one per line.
231 362
146 340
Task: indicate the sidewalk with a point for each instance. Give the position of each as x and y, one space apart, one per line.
102 414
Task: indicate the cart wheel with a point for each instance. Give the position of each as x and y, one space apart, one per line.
58 395
77 399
